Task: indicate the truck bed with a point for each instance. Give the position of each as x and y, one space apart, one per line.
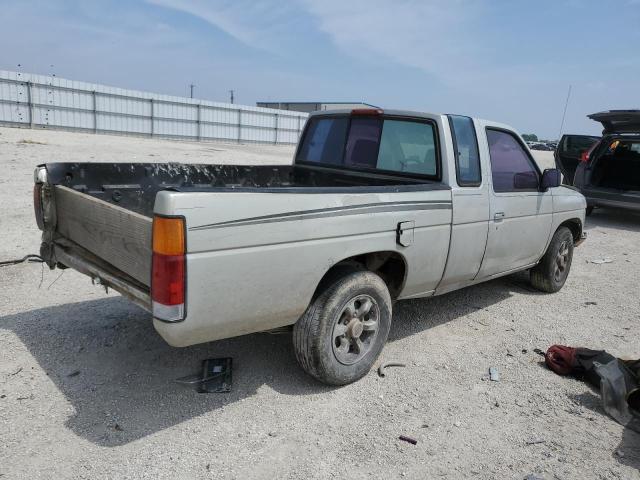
134 185
105 210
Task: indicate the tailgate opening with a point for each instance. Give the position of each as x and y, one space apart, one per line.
618 167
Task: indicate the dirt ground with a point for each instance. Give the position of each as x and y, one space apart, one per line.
87 391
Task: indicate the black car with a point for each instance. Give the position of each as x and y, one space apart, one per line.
605 169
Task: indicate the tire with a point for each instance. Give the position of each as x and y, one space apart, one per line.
552 271
340 336
589 210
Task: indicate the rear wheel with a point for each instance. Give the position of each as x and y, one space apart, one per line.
552 271
343 331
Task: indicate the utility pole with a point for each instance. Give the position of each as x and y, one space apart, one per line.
231 93
191 87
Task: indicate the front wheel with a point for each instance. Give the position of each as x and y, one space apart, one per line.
343 331
552 271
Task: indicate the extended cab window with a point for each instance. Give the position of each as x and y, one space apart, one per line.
511 167
466 151
393 145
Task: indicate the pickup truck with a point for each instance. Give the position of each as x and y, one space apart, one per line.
378 206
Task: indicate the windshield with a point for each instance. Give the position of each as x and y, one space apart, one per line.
372 143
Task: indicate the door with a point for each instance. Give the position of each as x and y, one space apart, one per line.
469 192
569 153
520 214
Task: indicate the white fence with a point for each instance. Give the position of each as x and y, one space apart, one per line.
39 101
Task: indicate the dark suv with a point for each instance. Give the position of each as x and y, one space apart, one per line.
605 169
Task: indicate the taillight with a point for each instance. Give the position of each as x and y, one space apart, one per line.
37 205
168 269
586 155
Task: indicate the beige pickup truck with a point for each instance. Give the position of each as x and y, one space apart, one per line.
377 206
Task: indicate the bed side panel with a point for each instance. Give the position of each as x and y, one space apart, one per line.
255 259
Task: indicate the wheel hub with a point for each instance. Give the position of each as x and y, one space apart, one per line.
356 329
562 259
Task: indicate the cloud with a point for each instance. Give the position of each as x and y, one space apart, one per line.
257 24
429 35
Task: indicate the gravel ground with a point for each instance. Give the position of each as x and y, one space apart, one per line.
86 386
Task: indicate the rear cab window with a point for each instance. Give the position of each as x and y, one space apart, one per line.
399 145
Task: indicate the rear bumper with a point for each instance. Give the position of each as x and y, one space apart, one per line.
72 255
625 201
607 197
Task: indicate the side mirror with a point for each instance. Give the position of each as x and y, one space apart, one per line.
550 179
525 181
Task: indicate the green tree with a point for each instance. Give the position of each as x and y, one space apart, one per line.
530 137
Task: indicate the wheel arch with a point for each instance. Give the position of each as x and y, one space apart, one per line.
575 226
390 265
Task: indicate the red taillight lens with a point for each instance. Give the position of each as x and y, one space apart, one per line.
586 155
37 205
168 279
168 269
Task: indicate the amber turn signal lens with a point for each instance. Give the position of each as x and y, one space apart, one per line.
168 236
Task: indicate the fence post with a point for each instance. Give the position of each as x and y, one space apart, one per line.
151 116
275 140
30 104
198 122
95 112
239 125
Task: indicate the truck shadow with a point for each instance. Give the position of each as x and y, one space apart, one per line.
118 374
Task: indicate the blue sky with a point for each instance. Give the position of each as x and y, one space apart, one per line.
510 61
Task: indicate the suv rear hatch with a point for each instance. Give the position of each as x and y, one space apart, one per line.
610 175
618 121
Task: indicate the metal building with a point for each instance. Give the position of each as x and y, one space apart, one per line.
39 101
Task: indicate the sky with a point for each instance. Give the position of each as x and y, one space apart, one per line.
510 61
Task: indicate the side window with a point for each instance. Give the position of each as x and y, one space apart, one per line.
466 151
574 145
511 168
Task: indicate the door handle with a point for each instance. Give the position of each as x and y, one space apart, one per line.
498 215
